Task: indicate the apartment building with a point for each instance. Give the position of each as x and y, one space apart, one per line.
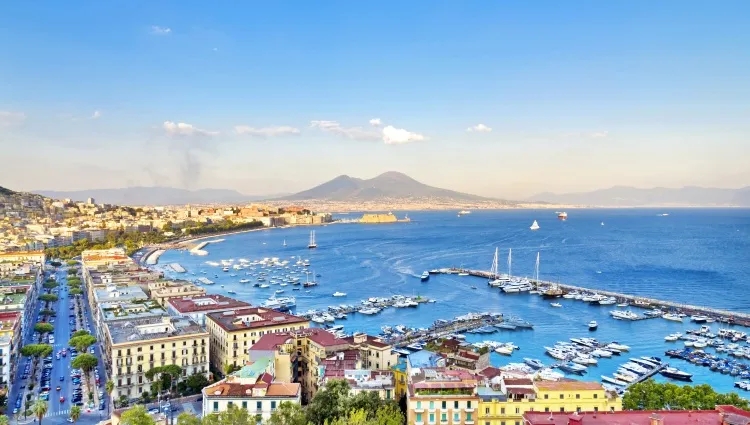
233 332
722 415
376 355
347 365
197 308
163 290
442 395
252 388
10 345
134 346
21 298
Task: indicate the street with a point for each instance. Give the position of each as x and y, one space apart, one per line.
59 411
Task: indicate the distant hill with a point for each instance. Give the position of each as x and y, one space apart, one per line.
6 192
153 196
387 185
658 196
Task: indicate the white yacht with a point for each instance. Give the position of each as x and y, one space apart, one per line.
339 294
608 301
555 305
624 315
673 317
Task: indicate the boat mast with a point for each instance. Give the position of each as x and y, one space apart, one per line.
510 274
493 269
536 270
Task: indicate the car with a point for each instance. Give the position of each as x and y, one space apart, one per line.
58 388
62 378
15 410
153 410
62 399
44 396
70 420
101 406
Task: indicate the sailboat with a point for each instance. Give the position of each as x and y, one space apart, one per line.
312 243
284 244
534 226
493 269
536 270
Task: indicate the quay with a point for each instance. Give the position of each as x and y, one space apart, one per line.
177 268
441 331
152 258
724 316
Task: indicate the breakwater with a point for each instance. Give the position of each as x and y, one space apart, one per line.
724 316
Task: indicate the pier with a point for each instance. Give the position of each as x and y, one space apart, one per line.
728 317
437 332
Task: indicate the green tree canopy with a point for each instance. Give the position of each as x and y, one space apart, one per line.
196 382
136 415
329 403
44 327
86 362
36 350
75 413
287 414
651 395
48 312
187 419
75 291
71 262
39 408
50 285
82 342
48 298
232 416
80 333
4 420
72 271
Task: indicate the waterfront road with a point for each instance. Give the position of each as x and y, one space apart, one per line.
72 314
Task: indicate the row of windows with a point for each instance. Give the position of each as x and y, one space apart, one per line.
444 404
139 368
258 405
546 409
444 417
562 396
174 344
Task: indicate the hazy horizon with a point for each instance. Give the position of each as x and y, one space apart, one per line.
495 99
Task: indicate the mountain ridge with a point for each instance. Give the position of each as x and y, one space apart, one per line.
628 196
391 184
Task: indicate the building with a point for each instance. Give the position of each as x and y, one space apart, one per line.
723 415
135 346
505 399
163 290
20 298
197 308
22 257
10 345
234 332
443 396
376 355
252 388
93 259
347 365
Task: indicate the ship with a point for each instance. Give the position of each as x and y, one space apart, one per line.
463 212
312 244
562 215
280 304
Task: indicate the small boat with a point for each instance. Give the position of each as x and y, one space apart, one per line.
265 285
673 317
573 368
231 292
463 273
244 280
614 381
602 223
593 325
434 271
674 373
622 305
504 350
555 304
536 364
222 286
562 215
339 294
473 287
312 244
506 326
698 318
279 291
425 276
671 337
534 226
284 244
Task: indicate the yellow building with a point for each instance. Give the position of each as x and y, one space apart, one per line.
442 396
234 332
504 400
133 347
376 355
162 291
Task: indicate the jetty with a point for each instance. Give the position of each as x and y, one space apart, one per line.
442 330
205 281
724 316
152 258
177 268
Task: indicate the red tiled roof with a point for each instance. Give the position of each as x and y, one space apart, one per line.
267 317
231 389
490 372
517 381
442 385
188 304
317 335
634 417
520 390
271 341
371 340
10 316
283 389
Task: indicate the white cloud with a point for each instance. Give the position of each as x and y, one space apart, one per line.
375 122
96 115
392 135
183 129
599 134
9 118
354 133
266 131
157 30
479 128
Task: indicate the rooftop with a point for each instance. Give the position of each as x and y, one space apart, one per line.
8 319
207 303
149 328
640 417
317 335
252 318
566 385
120 293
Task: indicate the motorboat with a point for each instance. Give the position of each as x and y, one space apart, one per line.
425 276
608 301
534 363
504 350
593 325
558 305
264 286
673 317
339 294
674 373
624 315
614 381
282 304
672 337
573 368
599 352
699 318
617 346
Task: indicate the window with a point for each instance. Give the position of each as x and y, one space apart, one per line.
432 418
419 417
596 409
486 410
259 405
578 409
468 417
562 396
578 396
419 405
596 395
444 405
562 409
443 417
502 410
216 406
518 410
432 405
273 405
229 405
456 418
546 396
468 404
546 409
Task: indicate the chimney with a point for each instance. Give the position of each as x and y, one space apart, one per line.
655 419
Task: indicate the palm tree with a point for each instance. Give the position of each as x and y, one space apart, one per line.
40 409
75 413
109 387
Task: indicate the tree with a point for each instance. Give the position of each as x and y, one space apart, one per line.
48 313
368 401
82 342
86 362
71 262
44 328
75 413
50 298
80 333
123 400
329 403
389 414
109 386
39 408
136 415
36 351
4 420
72 271
187 419
196 382
75 291
50 285
650 395
286 414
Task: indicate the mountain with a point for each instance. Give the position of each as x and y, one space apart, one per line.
658 196
153 196
387 185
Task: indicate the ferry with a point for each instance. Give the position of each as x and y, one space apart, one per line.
562 215
425 276
281 304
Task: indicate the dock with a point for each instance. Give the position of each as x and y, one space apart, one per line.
205 281
177 268
724 316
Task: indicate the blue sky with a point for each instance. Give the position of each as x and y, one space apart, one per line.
268 97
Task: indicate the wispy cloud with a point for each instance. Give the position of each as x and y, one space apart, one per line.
375 122
10 118
96 115
354 133
184 129
479 128
265 132
158 30
393 136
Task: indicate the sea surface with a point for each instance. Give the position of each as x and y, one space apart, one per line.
695 256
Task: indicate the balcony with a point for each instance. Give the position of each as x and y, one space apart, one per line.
418 410
469 409
469 422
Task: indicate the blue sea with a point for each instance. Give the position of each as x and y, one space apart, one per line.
695 256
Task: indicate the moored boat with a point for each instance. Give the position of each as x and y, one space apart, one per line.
674 373
593 325
425 276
